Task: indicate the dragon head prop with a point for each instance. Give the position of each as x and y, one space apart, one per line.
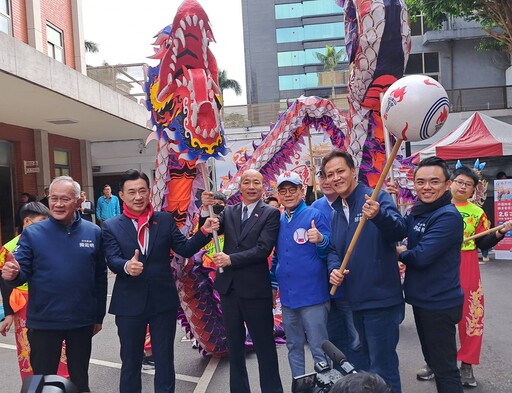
184 97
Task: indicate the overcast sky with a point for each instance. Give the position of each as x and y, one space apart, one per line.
124 31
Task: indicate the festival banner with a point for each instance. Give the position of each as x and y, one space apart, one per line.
502 213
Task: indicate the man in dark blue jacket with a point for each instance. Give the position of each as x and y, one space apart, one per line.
62 260
432 283
373 285
138 246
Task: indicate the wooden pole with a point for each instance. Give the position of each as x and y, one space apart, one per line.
206 180
360 226
495 229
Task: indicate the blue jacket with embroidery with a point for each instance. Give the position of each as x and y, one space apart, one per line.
432 278
374 279
66 273
299 267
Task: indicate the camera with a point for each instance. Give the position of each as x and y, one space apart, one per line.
324 376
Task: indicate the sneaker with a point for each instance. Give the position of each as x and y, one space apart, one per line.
425 373
466 375
485 259
148 363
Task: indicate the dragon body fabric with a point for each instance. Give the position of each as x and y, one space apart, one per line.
377 37
185 102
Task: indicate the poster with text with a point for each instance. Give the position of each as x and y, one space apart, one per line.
502 213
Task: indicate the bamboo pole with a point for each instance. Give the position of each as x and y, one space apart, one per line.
495 229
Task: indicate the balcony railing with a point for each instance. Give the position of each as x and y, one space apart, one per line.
461 100
126 79
129 79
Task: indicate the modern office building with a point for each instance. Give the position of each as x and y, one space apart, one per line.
281 38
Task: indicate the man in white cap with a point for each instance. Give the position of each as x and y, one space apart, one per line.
299 269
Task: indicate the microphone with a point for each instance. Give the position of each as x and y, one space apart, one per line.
338 357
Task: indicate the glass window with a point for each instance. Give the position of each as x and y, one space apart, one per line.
290 34
324 31
416 25
308 56
61 162
311 54
286 11
321 7
431 62
5 17
55 43
310 32
292 58
307 8
423 63
414 64
299 81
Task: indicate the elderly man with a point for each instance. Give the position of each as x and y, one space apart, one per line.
60 257
250 233
138 246
373 286
299 269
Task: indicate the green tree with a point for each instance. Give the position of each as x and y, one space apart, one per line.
494 15
91 47
330 60
226 83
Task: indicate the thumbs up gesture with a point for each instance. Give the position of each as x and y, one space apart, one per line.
11 268
134 267
314 235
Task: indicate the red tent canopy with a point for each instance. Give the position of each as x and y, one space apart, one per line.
479 136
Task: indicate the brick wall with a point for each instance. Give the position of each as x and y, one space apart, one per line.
19 20
72 146
58 13
23 141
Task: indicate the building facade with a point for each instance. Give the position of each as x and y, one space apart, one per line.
281 39
50 111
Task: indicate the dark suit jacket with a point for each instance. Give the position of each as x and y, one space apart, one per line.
248 249
156 284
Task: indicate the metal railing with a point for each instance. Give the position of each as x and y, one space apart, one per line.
129 79
461 100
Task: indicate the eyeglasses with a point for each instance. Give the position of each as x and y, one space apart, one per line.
461 183
63 200
433 182
291 190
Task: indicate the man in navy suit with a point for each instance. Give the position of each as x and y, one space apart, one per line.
137 246
250 233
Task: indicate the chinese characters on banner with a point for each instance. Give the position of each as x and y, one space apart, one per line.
502 213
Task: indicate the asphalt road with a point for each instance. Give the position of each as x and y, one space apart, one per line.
197 374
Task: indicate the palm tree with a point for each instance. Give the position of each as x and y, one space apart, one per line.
225 83
91 47
330 60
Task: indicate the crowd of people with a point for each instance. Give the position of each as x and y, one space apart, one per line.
308 244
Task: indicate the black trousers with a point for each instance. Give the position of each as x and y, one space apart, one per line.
45 349
436 330
132 333
257 314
